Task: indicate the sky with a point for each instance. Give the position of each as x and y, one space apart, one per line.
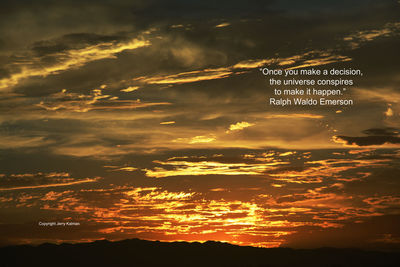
151 119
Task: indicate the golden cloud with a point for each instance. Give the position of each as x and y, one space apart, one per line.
71 59
95 101
239 126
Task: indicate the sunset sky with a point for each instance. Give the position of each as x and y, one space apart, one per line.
151 119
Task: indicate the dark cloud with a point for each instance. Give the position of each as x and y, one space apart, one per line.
376 136
382 131
370 140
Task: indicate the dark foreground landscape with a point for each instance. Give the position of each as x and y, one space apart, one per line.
136 252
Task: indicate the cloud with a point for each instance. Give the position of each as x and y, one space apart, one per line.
15 142
325 59
121 168
212 166
68 59
239 126
389 112
367 140
360 37
202 139
245 208
95 101
222 25
307 59
317 171
382 131
187 77
40 180
130 89
375 136
388 95
199 139
168 214
96 151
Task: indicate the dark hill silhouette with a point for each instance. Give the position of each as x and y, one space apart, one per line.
141 253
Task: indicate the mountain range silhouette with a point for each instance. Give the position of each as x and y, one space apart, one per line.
136 252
